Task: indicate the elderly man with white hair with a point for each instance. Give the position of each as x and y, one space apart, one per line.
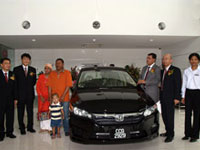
170 95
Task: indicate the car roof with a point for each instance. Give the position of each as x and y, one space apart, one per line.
103 67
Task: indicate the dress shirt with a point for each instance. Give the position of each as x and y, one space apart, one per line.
6 72
148 67
25 67
191 80
166 69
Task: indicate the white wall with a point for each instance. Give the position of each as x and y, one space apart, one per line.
118 17
73 57
181 51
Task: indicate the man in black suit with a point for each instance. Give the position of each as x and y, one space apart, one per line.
24 89
170 94
7 87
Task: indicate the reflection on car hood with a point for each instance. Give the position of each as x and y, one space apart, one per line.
120 101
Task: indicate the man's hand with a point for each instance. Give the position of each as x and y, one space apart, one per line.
176 101
183 101
141 82
62 98
155 106
71 107
64 94
15 103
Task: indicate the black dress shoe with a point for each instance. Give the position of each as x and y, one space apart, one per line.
169 139
23 132
163 134
185 138
31 130
1 139
11 135
192 140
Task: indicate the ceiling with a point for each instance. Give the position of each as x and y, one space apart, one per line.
90 41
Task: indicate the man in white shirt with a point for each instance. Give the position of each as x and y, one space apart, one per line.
191 98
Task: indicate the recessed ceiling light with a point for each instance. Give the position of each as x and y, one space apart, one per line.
33 40
151 40
26 24
94 40
161 25
96 24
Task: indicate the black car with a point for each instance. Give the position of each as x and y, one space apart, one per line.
108 106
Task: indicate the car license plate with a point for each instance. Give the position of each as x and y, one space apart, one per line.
120 133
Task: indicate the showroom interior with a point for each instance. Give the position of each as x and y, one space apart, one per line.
100 32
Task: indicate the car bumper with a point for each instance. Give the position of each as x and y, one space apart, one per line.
85 130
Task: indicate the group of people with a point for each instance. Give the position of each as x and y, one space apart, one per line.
53 98
17 89
168 87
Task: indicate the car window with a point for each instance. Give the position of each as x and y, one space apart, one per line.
105 78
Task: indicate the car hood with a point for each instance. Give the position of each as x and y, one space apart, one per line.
118 101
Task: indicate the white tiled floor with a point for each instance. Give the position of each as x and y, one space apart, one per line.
42 141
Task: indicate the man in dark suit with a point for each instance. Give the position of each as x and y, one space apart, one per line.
24 89
170 95
7 87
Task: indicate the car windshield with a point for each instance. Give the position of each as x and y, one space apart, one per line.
105 78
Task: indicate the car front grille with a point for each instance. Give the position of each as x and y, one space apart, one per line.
117 119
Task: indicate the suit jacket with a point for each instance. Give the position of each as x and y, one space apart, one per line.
7 89
152 81
24 88
171 85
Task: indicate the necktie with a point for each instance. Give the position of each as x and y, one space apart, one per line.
6 77
25 71
165 71
147 73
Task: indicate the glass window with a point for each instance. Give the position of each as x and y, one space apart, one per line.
105 78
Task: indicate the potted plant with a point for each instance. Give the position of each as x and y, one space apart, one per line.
134 71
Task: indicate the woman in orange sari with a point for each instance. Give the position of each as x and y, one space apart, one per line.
43 102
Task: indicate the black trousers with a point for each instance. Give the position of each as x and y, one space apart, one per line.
192 106
28 104
6 113
167 106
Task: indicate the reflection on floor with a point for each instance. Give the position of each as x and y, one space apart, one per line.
43 141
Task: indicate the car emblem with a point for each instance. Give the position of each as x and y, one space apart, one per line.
119 118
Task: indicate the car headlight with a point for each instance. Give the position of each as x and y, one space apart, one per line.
149 111
82 113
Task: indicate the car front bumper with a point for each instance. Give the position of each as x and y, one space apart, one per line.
86 130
